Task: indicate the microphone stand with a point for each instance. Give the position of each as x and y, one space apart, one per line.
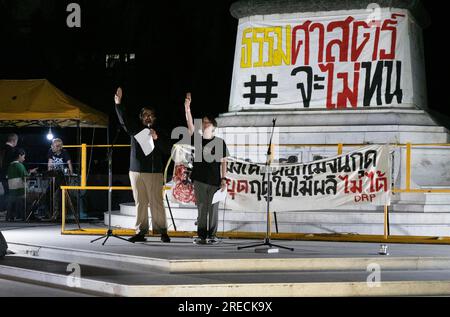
267 242
109 233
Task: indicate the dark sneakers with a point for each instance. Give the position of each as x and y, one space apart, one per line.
200 241
141 238
137 238
165 238
209 240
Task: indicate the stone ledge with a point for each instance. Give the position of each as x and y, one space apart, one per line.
327 118
246 8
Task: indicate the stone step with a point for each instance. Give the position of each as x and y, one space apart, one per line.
331 122
38 257
311 284
417 227
229 215
129 209
420 208
406 218
345 137
435 198
423 198
346 128
413 198
398 213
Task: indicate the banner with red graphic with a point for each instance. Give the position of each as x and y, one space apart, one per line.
358 178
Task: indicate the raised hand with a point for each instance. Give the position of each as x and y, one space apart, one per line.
187 102
187 108
118 96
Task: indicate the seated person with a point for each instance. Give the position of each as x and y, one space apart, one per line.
16 182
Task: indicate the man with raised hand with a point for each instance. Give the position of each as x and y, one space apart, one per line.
146 171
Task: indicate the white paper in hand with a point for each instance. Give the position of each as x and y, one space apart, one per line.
219 196
145 140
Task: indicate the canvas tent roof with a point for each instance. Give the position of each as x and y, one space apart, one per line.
38 103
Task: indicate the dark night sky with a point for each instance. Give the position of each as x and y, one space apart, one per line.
436 55
180 46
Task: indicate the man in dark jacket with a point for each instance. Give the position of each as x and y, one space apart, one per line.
146 171
6 157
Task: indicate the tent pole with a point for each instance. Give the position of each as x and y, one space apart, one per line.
79 160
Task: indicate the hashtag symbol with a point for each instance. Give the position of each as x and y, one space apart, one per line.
267 96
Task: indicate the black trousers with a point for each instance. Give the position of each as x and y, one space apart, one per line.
16 208
208 214
4 198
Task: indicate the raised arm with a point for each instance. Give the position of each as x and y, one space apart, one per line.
126 124
118 96
187 109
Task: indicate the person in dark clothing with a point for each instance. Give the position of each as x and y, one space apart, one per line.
59 158
208 173
59 164
16 183
146 171
6 157
3 246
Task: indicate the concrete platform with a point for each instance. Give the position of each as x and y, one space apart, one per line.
182 269
18 289
407 219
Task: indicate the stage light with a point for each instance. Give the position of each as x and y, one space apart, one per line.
50 135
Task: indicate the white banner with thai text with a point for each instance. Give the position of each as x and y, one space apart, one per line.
337 61
358 178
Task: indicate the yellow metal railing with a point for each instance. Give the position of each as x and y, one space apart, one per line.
316 237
